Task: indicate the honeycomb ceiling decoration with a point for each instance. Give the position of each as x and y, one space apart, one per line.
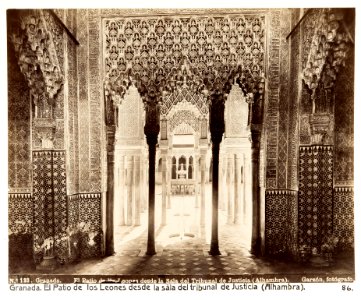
329 48
167 54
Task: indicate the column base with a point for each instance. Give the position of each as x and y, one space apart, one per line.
214 251
150 252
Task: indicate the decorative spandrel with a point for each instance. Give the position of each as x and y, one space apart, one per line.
180 98
186 117
131 116
236 114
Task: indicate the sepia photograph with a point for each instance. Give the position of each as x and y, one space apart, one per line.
194 146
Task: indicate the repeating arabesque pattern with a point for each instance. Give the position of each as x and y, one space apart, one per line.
280 222
184 116
151 49
315 195
343 222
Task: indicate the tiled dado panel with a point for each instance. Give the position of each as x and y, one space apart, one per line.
281 222
315 194
49 194
343 217
20 212
85 209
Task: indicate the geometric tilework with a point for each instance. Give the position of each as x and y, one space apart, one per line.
49 194
90 213
343 217
280 222
42 192
315 194
20 213
86 209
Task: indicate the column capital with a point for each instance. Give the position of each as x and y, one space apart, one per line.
216 122
319 124
151 128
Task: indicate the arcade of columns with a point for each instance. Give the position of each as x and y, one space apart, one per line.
183 118
158 73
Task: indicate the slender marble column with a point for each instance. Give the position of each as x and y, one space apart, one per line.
121 190
256 234
137 197
221 188
214 236
130 162
230 216
164 189
142 183
217 125
151 130
196 178
203 188
109 235
169 180
237 188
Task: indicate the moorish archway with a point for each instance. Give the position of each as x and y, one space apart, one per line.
203 55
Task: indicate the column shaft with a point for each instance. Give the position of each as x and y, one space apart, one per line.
237 188
130 162
229 191
137 194
169 180
203 189
256 235
214 237
164 190
195 177
121 190
151 197
109 235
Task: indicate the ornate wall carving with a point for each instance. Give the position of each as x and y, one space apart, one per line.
236 114
293 100
90 108
131 116
184 116
344 125
19 168
182 98
71 104
284 116
36 46
272 106
165 54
